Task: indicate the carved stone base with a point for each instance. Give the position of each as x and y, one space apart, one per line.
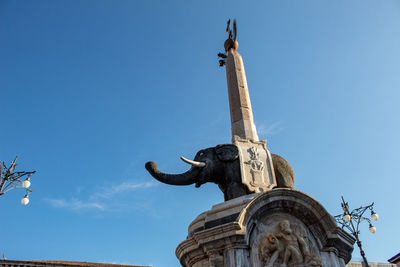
279 228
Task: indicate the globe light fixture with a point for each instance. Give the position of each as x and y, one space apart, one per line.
10 179
374 215
25 200
372 229
27 183
351 221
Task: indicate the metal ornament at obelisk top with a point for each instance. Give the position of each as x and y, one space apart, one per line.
255 159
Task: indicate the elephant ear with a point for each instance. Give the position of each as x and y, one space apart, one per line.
227 152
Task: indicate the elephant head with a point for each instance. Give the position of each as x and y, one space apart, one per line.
220 165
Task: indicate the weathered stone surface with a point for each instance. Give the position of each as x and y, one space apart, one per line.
284 173
286 241
225 237
242 121
222 213
256 165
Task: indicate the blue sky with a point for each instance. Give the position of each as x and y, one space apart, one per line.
91 90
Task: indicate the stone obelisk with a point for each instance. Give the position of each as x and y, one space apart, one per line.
242 122
255 160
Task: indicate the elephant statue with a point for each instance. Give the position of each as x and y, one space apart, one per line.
221 165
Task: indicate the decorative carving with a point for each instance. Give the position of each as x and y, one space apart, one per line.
256 165
284 247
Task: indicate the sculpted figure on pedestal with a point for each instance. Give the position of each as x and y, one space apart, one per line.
221 165
285 248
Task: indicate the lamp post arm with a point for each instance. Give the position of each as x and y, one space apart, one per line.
12 167
13 187
10 179
360 212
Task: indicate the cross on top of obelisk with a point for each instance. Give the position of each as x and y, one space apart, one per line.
231 42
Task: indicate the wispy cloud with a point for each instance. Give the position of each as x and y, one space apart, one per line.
271 129
104 199
121 188
75 204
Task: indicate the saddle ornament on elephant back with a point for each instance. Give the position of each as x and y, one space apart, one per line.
221 165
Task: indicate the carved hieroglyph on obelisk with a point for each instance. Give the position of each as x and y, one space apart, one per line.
255 159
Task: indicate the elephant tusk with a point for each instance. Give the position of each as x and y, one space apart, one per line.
193 163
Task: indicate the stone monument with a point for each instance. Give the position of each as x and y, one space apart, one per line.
264 221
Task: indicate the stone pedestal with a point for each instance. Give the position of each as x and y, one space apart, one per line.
281 227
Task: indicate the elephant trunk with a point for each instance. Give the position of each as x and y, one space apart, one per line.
185 178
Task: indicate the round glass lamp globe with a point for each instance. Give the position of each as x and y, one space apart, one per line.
347 218
374 216
26 184
372 229
25 201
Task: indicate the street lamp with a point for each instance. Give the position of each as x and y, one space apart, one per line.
351 220
10 180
